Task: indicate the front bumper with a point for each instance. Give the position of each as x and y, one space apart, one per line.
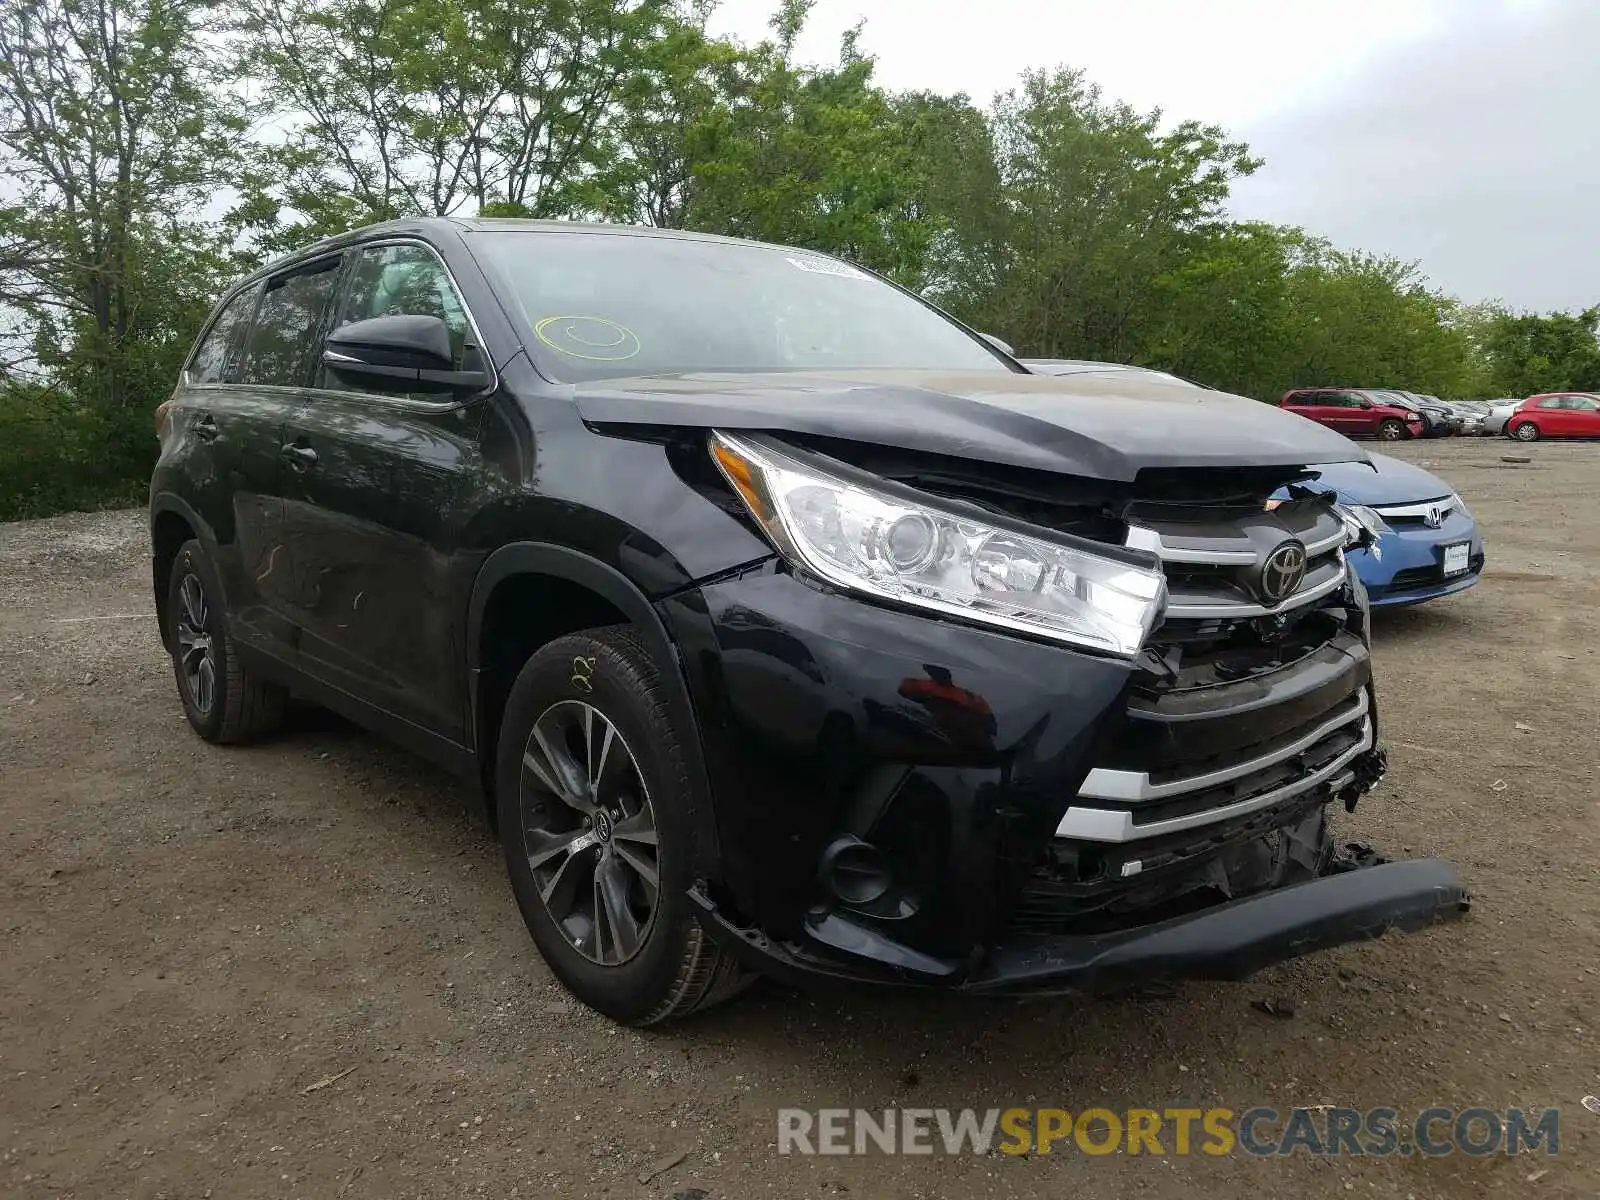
959 756
1410 566
1225 942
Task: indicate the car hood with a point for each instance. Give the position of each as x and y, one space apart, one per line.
1385 481
1102 427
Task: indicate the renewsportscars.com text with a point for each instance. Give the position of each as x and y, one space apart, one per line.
1321 1131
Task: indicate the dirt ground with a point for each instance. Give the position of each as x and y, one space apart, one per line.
193 940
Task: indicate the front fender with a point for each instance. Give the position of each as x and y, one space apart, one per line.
540 558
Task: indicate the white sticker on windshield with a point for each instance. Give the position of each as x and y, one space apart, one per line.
822 266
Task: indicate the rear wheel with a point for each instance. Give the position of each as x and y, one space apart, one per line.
223 701
1392 430
592 786
1525 431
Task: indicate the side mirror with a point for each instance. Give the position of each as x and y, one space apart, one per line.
398 354
1003 347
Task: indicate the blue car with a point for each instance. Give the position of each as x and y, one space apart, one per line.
1432 548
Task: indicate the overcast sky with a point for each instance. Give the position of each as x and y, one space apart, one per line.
1461 133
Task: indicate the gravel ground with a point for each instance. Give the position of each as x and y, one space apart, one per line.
197 940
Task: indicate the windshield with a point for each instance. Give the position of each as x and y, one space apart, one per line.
607 305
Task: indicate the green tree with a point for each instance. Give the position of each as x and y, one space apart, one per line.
1529 353
115 136
1221 314
113 141
1367 320
954 199
675 103
430 107
805 156
1100 203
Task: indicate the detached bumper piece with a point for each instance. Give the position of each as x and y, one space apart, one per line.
1362 899
1237 939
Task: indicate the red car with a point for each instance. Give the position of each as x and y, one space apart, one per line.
1556 414
1355 412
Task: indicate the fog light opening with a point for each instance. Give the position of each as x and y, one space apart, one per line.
855 872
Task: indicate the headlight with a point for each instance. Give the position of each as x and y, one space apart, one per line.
1460 505
898 548
1364 528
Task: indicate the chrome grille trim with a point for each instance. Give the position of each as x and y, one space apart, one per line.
1444 505
1210 547
1334 541
1219 608
1117 825
1142 537
1134 787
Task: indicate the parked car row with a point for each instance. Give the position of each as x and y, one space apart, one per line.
1393 416
1383 413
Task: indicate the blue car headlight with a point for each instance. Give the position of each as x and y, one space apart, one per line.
1365 527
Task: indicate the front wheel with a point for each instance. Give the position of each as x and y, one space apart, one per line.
1392 431
592 787
1525 431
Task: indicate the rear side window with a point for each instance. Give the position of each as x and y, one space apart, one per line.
216 359
1551 402
290 313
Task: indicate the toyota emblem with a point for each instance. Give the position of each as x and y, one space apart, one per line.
1282 573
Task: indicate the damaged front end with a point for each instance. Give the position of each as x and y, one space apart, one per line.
992 815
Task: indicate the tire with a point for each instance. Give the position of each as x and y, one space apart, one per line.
1525 431
638 959
1393 431
225 703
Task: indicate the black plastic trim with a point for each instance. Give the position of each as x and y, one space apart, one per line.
1227 942
543 558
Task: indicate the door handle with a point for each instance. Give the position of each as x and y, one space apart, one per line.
301 458
205 427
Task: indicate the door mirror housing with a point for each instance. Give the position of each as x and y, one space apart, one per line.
402 353
1003 347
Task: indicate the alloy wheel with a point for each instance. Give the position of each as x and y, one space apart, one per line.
589 832
1526 432
196 656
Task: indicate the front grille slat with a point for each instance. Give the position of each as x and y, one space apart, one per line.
1141 787
1239 706
1095 824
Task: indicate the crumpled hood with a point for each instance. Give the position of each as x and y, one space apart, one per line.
1386 481
1098 427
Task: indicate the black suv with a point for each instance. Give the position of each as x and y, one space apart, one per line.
788 625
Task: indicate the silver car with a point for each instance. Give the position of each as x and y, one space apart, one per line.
1471 417
1494 422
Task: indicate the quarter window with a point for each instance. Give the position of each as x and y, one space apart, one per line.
216 359
290 313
